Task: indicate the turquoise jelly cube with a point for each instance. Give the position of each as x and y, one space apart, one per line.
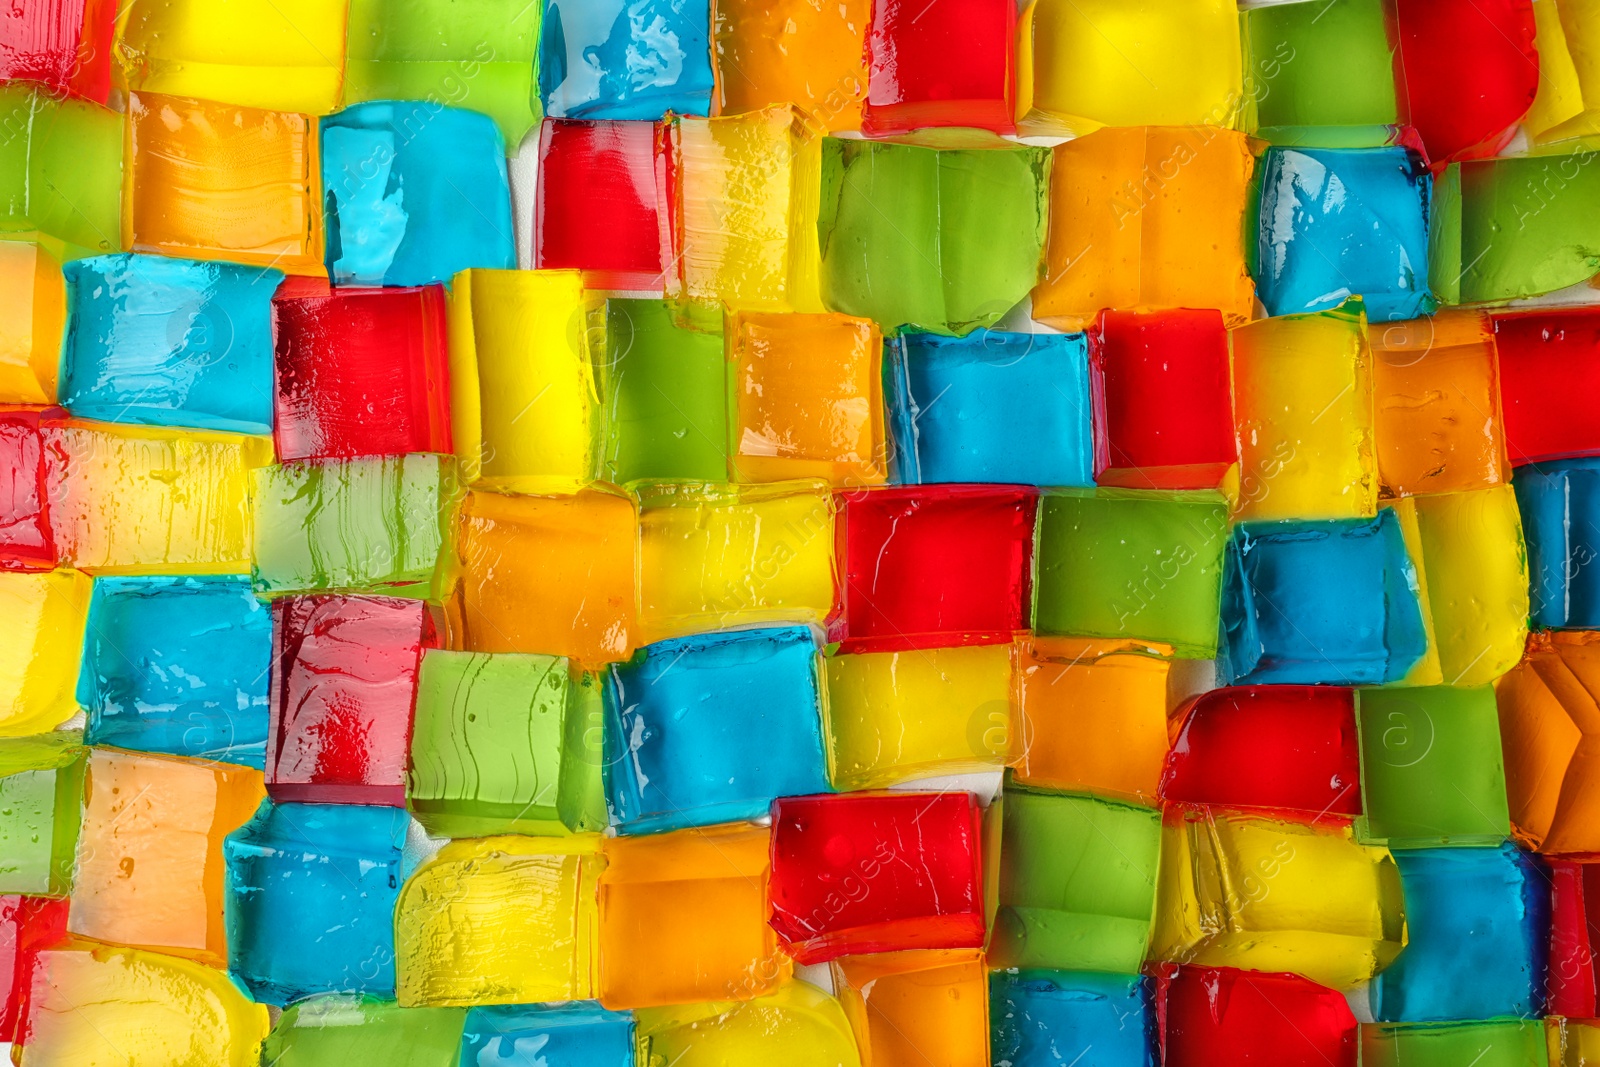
625 59
578 1034
1054 1018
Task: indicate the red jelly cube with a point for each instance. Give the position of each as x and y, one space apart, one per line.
1282 747
876 872
1164 400
940 63
1549 377
1221 1017
931 566
360 372
26 542
28 925
1573 985
599 205
344 680
66 44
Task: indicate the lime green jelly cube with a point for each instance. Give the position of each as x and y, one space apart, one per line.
1320 64
61 168
41 796
1495 1043
667 415
339 1030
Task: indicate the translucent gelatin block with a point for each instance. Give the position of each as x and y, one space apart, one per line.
1319 65
797 1023
105 1004
171 342
943 239
33 308
813 57
1077 882
1550 736
339 1029
215 181
66 44
917 1008
876 872
43 613
991 407
28 925
1568 76
1496 1043
360 372
499 920
743 210
1102 63
1572 1042
61 168
683 918
625 59
1043 1018
1574 906
1131 565
553 575
256 53
177 665
27 541
505 743
524 391
579 1034
41 796
715 557
1213 1016
1548 362
1559 504
949 63
667 408
149 869
600 203
709 729
1303 408
1147 218
415 192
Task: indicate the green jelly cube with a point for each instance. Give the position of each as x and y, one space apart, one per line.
61 168
1496 1043
1322 63
1131 563
1077 882
369 525
940 239
1431 769
41 799
340 1030
505 743
667 415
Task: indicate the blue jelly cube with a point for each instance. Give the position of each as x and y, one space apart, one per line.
1560 505
169 342
415 192
1477 921
991 407
1070 1019
308 899
711 728
625 59
577 1034
1320 603
1341 222
178 665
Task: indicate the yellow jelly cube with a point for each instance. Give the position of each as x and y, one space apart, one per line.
33 310
499 920
711 557
1573 1042
42 615
1568 43
746 211
797 1026
280 55
1303 407
152 500
524 397
894 716
918 1008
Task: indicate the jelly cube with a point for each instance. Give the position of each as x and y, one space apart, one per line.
553 575
897 716
217 181
1548 713
875 873
335 1029
271 54
33 308
1090 716
682 918
917 1008
1321 603
150 866
27 925
504 743
41 793
807 399
709 729
1216 1016
926 566
361 372
1051 1018
1279 747
1496 1043
309 899
1131 564
499 920
26 540
1574 897
798 1023
1547 361
599 203
948 63
1572 1042
667 411
1266 894
714 557
580 1034
813 57
177 665
625 59
1303 410
940 239
1324 65
66 44
415 192
524 399
354 525
991 407
1559 505
1477 921
61 168
1077 882
1147 218
1564 40
44 612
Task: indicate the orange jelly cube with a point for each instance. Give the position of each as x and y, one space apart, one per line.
33 310
1550 737
917 1009
811 55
